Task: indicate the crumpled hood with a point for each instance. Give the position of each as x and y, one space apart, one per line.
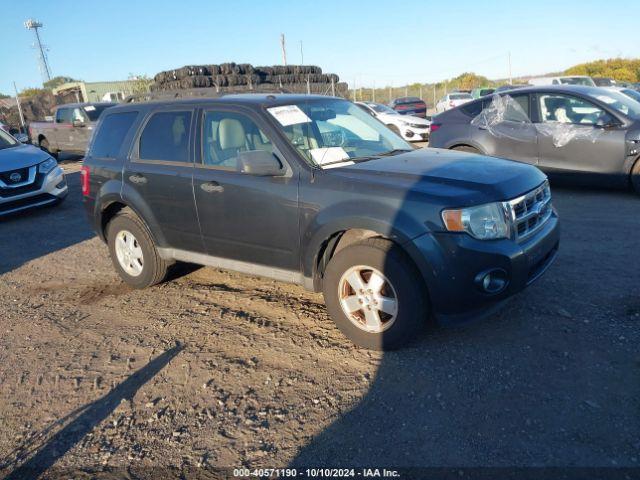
20 157
459 177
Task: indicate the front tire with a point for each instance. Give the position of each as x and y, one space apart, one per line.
44 146
375 294
133 252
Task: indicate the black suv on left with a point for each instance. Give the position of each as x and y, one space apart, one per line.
312 190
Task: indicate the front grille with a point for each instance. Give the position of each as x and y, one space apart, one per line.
6 176
529 212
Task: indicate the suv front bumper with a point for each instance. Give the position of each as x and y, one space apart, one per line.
453 265
53 189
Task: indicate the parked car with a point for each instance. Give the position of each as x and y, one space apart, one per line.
629 92
588 134
451 100
5 127
603 82
409 106
70 129
29 177
312 190
506 88
564 80
413 129
482 92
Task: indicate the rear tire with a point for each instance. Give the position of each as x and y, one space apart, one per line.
44 146
635 177
133 252
466 148
391 286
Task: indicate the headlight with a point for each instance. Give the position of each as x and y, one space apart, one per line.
484 222
48 165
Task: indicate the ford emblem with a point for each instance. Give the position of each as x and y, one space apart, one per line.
539 208
15 177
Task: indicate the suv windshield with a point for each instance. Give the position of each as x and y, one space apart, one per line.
620 102
334 131
6 140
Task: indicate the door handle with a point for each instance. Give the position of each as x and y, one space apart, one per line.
212 187
138 179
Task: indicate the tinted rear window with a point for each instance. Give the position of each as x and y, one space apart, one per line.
111 134
94 111
166 137
459 96
472 109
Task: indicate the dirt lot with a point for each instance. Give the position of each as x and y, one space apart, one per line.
220 369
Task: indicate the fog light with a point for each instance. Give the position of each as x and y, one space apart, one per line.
492 281
409 133
62 184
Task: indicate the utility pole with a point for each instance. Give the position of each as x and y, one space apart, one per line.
390 88
420 91
301 54
434 95
19 108
510 78
406 91
34 25
284 49
374 91
355 99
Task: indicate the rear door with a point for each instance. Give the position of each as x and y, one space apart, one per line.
158 176
244 217
506 130
571 143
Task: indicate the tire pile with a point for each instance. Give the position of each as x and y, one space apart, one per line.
243 77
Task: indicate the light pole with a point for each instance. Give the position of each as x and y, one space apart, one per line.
34 25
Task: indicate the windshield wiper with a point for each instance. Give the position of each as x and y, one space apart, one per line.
395 151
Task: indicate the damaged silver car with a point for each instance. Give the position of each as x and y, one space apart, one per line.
587 135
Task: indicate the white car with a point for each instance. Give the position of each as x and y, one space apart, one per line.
452 100
413 129
566 80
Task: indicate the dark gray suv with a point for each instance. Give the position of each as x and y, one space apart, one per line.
312 190
588 135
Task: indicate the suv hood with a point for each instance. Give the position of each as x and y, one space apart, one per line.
20 157
459 178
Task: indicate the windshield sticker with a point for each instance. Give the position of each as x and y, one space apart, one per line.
325 155
89 108
289 115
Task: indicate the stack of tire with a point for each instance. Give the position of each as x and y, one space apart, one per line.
240 77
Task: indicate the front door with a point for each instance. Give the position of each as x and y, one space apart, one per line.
504 128
573 142
244 217
62 128
159 176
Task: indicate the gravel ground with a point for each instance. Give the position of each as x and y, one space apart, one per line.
220 369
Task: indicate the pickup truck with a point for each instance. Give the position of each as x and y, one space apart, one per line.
312 190
70 130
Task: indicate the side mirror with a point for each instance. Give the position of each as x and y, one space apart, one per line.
78 123
260 163
606 121
22 137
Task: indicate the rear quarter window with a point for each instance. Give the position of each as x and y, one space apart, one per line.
472 109
111 133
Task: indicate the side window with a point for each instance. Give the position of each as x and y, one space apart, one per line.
519 113
569 109
63 115
77 114
226 134
166 137
111 134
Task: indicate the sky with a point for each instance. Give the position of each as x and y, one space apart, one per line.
368 42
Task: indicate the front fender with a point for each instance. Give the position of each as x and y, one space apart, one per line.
390 222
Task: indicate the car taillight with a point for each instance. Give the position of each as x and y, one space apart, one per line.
84 180
435 126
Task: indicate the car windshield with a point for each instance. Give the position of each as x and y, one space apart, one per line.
460 96
6 140
577 81
94 111
335 131
619 102
383 108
